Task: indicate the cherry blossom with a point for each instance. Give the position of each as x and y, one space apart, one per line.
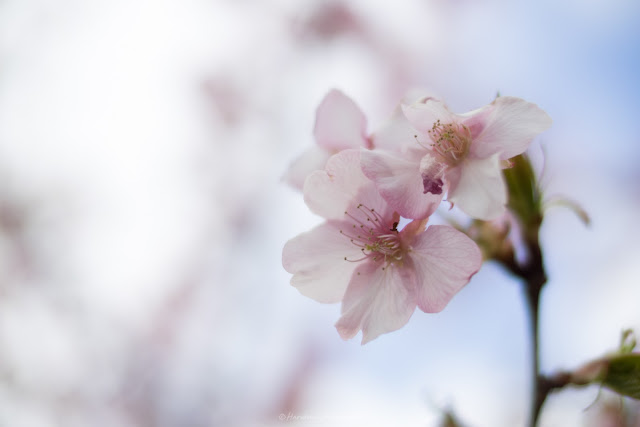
458 154
340 124
360 257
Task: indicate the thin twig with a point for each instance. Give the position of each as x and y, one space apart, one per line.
533 276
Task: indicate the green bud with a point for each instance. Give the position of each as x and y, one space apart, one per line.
623 375
619 371
525 198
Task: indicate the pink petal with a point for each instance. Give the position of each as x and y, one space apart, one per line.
396 134
377 301
477 188
444 260
311 160
340 124
477 119
316 260
341 185
424 113
411 230
399 181
509 128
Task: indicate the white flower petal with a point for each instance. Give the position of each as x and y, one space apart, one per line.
316 260
396 134
444 260
510 124
400 182
377 301
315 158
424 113
341 186
479 189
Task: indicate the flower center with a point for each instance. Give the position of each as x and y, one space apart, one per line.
374 236
450 141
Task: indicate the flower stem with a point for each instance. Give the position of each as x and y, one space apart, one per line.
533 276
539 391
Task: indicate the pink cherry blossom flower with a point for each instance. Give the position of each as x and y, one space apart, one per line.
340 124
358 256
460 154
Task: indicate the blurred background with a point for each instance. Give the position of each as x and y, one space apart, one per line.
143 214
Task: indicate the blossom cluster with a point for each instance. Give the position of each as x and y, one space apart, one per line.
376 192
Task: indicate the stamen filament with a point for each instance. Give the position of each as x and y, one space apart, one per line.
370 233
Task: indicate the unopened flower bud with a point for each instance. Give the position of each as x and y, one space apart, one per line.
623 375
525 197
619 371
